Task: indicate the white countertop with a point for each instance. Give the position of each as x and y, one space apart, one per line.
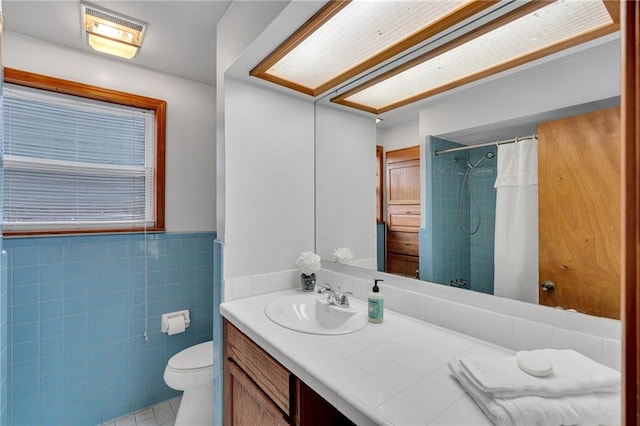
393 373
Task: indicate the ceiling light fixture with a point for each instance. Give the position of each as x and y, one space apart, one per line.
110 32
347 38
530 32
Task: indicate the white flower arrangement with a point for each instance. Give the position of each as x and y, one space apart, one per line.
343 255
308 262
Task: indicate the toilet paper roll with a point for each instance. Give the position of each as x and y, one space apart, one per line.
175 325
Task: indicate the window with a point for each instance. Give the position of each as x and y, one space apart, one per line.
79 158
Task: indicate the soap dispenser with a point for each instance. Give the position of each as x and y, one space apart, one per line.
376 304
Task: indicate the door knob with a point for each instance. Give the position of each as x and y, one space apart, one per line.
548 286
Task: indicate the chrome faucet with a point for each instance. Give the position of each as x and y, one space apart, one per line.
335 297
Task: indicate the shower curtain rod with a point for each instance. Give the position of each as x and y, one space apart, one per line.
463 148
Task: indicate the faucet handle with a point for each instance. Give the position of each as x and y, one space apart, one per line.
344 300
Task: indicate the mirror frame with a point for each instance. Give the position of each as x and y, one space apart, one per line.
630 11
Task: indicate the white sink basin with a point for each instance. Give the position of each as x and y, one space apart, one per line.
310 313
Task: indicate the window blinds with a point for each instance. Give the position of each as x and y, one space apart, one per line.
76 163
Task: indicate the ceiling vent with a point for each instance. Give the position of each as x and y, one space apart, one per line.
110 32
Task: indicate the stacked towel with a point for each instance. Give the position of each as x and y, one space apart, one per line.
578 392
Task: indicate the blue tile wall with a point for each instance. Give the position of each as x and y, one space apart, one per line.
446 252
483 241
218 378
380 249
4 297
77 353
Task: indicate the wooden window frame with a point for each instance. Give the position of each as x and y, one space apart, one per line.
52 84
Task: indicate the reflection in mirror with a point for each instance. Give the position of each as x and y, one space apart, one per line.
513 104
345 186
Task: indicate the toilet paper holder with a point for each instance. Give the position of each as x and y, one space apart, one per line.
164 326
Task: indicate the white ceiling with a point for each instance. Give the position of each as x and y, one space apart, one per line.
180 38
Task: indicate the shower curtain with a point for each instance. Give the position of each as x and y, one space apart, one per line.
516 234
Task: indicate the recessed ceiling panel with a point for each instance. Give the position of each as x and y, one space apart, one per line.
346 38
500 45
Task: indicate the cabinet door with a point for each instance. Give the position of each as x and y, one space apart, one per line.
402 264
313 410
245 403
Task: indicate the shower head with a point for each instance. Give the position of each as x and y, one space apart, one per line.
489 154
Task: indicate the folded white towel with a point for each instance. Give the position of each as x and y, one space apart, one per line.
573 374
585 410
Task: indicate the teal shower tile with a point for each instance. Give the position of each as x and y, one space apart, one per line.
73 394
25 370
118 249
173 246
26 332
97 268
51 345
75 323
52 382
189 244
74 305
136 265
25 412
117 299
24 313
52 327
51 364
75 270
98 318
98 285
98 251
25 294
24 256
50 401
188 274
75 252
98 371
118 380
117 363
26 351
73 341
96 302
118 283
54 417
117 347
24 275
74 376
51 272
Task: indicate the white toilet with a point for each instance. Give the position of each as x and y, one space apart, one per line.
191 371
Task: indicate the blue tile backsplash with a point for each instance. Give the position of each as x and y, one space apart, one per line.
76 319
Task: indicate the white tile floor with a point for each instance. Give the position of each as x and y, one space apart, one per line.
162 414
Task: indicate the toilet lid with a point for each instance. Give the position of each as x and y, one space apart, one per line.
194 357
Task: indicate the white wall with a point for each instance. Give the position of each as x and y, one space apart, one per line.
345 186
401 136
190 136
237 29
269 175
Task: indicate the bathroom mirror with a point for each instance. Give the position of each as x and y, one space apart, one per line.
505 106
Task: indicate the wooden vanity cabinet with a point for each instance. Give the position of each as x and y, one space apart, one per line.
258 390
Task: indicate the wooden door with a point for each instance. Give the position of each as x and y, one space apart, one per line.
403 211
579 212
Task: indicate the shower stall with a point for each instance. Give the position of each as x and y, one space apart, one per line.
457 241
